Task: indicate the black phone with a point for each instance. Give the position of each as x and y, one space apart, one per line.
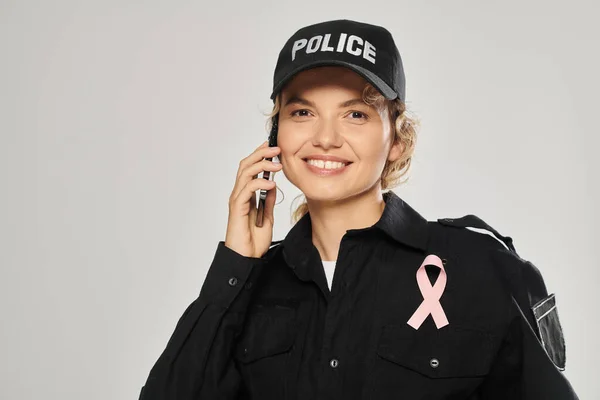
266 174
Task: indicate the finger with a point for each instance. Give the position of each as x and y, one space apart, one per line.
258 155
252 159
252 173
253 203
263 151
249 192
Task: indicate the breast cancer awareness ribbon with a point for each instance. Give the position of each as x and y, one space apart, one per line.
431 295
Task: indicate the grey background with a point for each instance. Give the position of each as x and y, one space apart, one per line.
122 125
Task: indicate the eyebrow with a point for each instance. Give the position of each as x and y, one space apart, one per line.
300 100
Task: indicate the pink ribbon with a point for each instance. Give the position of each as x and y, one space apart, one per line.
431 295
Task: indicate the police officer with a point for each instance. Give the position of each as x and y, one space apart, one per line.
363 298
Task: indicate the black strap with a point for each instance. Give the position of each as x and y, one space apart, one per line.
474 221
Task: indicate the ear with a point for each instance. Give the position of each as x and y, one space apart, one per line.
396 151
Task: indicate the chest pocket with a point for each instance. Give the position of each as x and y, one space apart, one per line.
450 352
269 331
263 352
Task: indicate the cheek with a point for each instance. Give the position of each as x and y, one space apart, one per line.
368 148
288 143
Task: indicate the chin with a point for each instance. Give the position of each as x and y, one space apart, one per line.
319 191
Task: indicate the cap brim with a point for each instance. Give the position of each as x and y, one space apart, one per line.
370 77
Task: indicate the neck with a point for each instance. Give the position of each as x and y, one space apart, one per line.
331 219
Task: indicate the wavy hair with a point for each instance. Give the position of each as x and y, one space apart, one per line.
402 122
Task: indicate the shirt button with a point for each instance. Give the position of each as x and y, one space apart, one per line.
334 363
233 281
434 363
248 285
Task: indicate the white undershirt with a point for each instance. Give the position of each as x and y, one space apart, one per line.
329 267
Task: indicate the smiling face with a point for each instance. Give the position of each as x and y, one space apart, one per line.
322 113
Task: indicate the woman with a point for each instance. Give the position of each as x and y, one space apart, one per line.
364 298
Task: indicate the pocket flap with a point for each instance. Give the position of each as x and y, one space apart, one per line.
550 330
266 334
451 351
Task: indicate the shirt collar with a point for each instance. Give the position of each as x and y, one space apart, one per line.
399 221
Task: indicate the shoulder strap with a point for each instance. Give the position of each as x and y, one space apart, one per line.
474 221
508 262
275 243
527 287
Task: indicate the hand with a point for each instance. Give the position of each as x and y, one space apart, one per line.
243 236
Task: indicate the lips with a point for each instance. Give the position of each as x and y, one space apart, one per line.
327 158
346 163
324 172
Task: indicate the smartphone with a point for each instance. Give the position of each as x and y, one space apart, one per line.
267 174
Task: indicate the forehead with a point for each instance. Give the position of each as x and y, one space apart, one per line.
325 76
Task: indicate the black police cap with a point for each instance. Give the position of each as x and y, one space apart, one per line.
367 49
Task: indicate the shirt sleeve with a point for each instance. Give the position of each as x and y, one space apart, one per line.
531 360
196 362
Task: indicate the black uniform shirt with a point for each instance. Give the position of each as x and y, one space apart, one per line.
270 328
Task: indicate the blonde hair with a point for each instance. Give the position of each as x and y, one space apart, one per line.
404 126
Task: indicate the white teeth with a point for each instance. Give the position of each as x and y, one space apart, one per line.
326 164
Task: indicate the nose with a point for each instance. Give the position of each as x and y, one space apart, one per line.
326 134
